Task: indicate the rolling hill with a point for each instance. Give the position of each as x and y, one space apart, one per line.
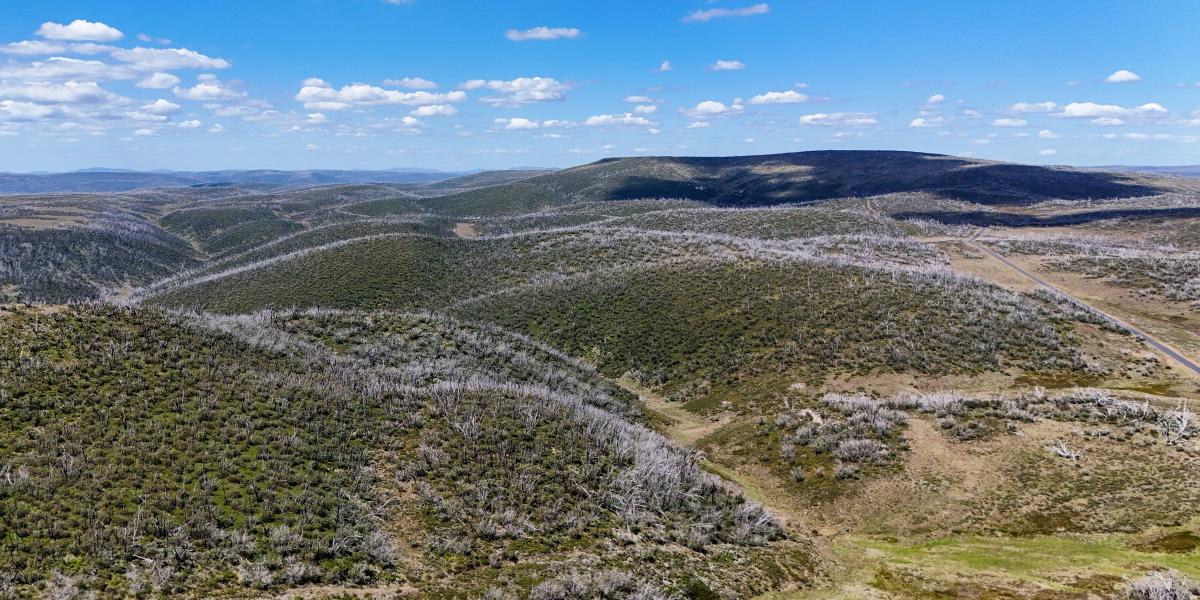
801 177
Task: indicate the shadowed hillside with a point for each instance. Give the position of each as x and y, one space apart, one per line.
801 177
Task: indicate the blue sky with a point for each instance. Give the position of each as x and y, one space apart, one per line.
457 85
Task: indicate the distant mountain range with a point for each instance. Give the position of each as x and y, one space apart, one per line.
1177 171
100 179
730 181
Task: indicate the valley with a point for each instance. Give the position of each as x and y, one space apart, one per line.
811 375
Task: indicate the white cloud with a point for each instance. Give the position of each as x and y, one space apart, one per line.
516 123
161 107
664 66
699 125
159 81
1093 110
711 108
727 65
1123 76
1009 123
749 140
59 67
522 90
935 99
639 99
1034 107
90 48
156 111
840 119
25 111
79 30
165 59
32 48
411 83
71 92
434 110
145 37
208 88
216 128
703 16
971 113
1048 152
1046 134
247 110
316 94
316 118
788 97
311 147
618 119
144 132
645 109
190 124
924 123
542 33
1110 121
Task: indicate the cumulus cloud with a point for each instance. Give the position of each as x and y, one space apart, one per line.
924 123
1048 152
1123 76
840 119
712 108
618 119
156 111
25 111
522 90
316 94
1009 123
411 83
1092 110
434 110
70 92
79 30
645 109
246 110
703 16
1034 107
516 123
159 81
1046 134
165 59
787 97
32 48
60 67
727 65
189 124
1109 121
542 33
208 88
935 99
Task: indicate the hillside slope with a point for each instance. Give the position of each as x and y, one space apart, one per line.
801 177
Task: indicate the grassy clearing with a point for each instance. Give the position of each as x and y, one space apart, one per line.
991 567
